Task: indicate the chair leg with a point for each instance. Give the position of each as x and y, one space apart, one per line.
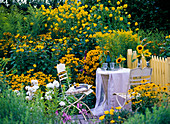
72 104
85 105
119 102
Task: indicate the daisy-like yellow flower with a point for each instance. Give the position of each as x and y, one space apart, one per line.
111 111
119 60
34 65
77 84
53 49
106 112
139 48
118 108
143 81
112 121
101 117
164 89
30 41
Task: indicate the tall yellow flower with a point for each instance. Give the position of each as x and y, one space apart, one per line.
136 23
119 60
34 65
121 18
112 121
139 48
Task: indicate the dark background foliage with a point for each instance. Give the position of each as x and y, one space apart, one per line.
150 14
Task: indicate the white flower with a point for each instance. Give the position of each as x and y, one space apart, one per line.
28 98
16 91
48 97
34 88
56 84
30 93
50 85
34 82
27 87
62 103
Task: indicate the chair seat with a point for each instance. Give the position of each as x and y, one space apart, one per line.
125 96
73 91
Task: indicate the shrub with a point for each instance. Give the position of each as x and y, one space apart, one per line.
159 115
146 96
116 42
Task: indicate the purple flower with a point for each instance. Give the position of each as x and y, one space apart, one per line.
84 111
79 105
56 112
65 117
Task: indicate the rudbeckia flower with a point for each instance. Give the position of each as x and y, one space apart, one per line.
106 112
164 89
118 107
112 121
143 81
139 48
119 60
101 117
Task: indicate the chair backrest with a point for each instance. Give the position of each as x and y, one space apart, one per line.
138 74
62 73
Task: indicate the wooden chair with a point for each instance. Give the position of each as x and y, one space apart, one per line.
135 78
83 90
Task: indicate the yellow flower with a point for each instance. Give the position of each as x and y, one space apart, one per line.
138 56
87 40
45 25
112 121
121 18
77 84
72 28
30 41
106 112
118 107
118 3
110 15
139 48
25 18
106 8
53 49
113 8
137 29
34 65
31 23
129 16
101 117
119 60
164 89
136 23
123 59
143 81
128 23
125 6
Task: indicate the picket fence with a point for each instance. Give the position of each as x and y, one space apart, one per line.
160 67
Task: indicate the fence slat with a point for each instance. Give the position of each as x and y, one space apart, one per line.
160 67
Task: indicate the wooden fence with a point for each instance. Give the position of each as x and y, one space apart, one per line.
160 67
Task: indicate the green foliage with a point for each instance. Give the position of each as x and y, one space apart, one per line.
150 14
159 115
15 109
117 42
156 41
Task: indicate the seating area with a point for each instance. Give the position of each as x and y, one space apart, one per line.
84 61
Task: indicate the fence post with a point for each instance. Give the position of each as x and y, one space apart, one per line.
168 59
129 55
